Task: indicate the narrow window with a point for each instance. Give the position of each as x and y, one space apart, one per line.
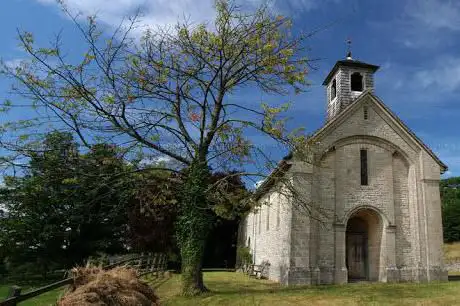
365 113
260 220
364 180
278 213
333 90
356 82
249 242
268 217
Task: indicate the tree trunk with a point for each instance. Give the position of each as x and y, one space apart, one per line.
192 276
194 223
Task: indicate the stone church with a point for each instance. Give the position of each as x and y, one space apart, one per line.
373 189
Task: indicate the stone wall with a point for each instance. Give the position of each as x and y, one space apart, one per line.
268 230
452 267
403 190
404 238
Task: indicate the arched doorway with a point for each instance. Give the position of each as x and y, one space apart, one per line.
363 245
357 249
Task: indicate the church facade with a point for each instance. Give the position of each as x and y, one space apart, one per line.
373 195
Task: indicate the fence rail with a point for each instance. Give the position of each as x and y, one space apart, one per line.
144 263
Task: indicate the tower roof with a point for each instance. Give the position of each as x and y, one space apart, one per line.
349 63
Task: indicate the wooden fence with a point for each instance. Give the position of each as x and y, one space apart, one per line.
154 264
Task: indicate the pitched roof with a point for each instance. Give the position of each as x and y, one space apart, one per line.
379 102
271 180
349 63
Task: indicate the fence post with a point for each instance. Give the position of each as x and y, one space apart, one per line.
155 265
14 292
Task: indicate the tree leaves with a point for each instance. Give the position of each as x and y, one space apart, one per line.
450 196
67 206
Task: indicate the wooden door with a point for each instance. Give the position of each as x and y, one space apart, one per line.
356 255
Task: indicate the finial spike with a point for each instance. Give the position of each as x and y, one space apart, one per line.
349 49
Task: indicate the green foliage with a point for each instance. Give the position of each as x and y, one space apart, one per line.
243 257
152 212
169 96
228 195
66 207
450 197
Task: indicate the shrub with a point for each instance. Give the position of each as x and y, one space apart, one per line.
243 257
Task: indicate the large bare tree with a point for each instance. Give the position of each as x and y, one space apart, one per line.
168 96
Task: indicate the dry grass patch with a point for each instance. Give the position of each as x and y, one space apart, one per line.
116 287
452 252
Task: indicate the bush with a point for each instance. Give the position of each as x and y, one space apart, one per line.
450 196
243 257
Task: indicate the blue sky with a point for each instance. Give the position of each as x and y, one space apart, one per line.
416 43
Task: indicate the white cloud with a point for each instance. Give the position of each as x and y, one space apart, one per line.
162 159
13 63
435 14
428 23
154 12
167 12
443 75
433 85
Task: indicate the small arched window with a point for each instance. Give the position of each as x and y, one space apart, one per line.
249 242
333 90
356 81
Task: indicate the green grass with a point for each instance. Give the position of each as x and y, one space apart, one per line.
231 288
237 289
45 299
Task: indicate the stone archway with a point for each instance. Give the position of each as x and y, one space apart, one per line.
363 240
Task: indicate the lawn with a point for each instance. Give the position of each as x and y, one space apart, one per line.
230 288
45 299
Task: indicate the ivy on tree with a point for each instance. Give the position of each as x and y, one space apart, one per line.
168 96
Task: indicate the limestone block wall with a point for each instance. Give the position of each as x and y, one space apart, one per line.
379 191
453 267
376 125
268 229
403 188
408 208
300 229
324 226
434 234
404 237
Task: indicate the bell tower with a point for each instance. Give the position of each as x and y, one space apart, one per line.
348 79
